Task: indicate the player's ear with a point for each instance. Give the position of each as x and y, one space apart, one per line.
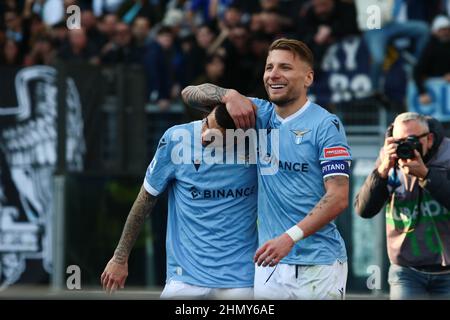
309 77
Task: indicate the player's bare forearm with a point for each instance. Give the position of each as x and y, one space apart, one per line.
333 203
204 95
142 207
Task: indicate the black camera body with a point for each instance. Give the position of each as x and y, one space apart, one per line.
438 133
405 148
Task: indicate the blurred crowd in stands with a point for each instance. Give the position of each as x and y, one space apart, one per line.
225 42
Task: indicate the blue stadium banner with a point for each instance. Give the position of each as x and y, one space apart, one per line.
439 91
345 69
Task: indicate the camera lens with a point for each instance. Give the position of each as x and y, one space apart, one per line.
405 150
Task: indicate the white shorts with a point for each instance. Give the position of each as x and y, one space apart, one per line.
319 282
181 290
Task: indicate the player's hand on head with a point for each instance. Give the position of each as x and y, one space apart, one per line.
241 109
114 276
270 253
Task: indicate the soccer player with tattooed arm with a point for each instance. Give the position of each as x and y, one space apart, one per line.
301 254
211 228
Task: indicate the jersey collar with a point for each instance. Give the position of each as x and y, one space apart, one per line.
294 115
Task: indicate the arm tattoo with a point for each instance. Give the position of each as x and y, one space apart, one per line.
325 199
142 207
203 95
338 180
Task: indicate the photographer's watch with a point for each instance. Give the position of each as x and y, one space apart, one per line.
423 182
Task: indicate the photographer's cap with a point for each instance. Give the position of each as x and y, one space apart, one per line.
440 22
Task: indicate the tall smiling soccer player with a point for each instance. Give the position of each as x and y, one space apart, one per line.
211 233
301 253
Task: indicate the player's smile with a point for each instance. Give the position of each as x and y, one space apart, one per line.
277 87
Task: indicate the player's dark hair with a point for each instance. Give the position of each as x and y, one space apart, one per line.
297 47
223 118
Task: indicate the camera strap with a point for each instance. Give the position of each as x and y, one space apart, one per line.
412 226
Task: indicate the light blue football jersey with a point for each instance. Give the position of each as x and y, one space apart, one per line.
312 145
211 229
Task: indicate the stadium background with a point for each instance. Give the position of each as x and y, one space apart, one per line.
81 112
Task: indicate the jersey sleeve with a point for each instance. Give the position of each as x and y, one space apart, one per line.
161 169
335 155
263 112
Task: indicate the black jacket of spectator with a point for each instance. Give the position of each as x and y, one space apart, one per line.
129 54
88 53
158 64
434 62
342 22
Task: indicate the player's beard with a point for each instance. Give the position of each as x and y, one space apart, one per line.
281 101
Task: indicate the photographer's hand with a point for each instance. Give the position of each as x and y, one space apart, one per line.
388 157
414 166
